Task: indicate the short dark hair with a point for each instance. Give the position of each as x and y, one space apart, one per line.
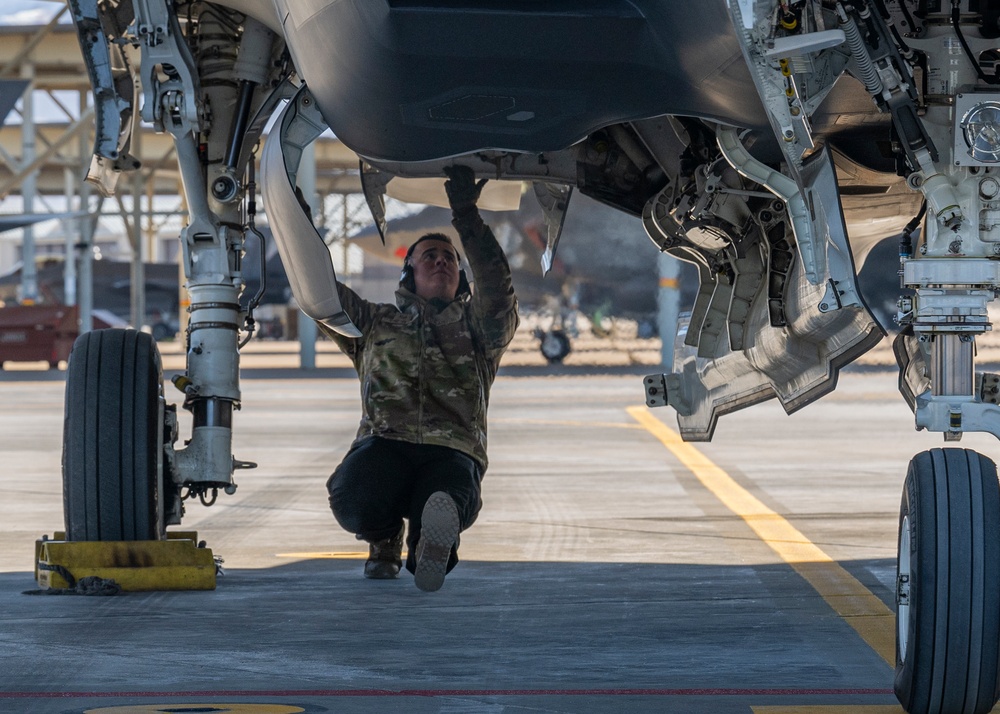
429 236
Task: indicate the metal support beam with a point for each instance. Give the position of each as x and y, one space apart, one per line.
138 292
29 274
85 285
9 160
668 307
70 231
10 69
30 165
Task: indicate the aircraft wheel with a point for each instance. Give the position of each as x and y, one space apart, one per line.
112 438
555 346
948 584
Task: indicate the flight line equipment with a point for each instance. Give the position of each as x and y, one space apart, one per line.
180 562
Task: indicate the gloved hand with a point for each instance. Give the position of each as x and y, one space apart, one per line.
303 203
462 188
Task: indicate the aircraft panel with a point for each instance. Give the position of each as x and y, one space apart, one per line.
430 84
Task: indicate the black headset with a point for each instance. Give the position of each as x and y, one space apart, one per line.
406 279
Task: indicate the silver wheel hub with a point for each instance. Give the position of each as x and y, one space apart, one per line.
903 587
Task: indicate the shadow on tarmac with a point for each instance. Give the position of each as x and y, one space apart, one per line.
580 636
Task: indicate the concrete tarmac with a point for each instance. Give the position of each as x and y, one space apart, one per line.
612 569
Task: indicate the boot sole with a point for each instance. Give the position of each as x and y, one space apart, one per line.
439 526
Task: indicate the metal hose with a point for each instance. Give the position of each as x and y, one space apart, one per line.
866 68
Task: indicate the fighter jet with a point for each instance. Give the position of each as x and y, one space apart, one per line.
770 143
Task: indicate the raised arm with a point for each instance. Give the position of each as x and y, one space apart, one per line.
361 313
493 299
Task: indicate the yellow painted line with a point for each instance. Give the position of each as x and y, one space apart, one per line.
356 555
851 600
346 556
555 422
828 709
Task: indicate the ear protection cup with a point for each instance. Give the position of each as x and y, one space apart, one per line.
406 279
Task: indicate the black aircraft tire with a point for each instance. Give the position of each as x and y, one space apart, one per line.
555 346
948 630
110 437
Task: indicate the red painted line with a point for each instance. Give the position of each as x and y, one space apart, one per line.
458 692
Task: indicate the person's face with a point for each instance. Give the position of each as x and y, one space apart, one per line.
435 270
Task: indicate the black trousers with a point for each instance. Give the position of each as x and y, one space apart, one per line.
381 481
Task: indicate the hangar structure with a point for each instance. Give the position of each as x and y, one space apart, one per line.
46 144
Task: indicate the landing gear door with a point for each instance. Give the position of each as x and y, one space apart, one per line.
305 256
373 183
554 200
114 92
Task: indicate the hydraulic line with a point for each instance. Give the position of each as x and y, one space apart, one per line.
956 22
866 68
239 128
252 228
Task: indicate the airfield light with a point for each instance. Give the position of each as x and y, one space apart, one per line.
981 126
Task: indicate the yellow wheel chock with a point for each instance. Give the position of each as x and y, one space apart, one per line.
177 563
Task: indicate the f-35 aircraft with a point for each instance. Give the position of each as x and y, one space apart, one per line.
771 143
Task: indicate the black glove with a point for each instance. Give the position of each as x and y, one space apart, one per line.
462 188
303 203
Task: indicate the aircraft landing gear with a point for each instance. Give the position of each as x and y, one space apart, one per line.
113 438
554 345
948 584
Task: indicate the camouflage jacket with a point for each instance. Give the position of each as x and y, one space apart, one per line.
426 367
